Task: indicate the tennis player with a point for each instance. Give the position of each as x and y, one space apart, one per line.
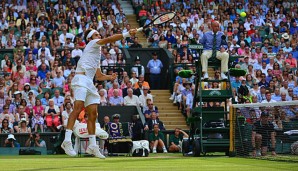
85 93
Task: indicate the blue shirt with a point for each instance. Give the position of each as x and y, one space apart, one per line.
276 97
154 66
116 100
295 91
207 40
293 30
42 74
275 49
236 84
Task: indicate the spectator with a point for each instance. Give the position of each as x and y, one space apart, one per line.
268 98
115 87
76 53
52 114
38 115
58 99
23 128
59 81
10 141
5 129
142 81
144 96
66 113
156 139
149 125
34 140
130 99
116 99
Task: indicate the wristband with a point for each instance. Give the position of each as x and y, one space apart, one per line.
125 35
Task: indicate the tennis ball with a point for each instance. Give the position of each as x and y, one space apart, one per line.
243 14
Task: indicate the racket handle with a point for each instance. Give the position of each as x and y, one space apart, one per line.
140 29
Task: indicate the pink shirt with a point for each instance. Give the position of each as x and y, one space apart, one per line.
111 90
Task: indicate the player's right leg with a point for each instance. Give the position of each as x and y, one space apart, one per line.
80 96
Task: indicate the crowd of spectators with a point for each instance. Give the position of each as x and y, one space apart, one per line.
265 39
41 43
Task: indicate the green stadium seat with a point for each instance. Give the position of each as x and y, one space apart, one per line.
40 96
46 90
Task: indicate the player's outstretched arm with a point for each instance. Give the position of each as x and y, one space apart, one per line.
116 37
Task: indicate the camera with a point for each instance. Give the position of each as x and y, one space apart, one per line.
33 137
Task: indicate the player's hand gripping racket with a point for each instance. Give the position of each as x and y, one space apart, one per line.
160 19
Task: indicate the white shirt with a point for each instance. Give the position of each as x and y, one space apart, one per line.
76 52
143 99
47 53
131 101
108 62
266 101
59 81
62 37
38 63
90 60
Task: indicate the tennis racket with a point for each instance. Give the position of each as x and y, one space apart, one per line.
160 19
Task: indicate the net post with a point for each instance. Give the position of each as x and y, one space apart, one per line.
232 131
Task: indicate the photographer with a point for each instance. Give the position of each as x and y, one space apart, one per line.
11 142
35 141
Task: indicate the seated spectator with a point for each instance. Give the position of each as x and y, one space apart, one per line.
134 78
154 120
151 108
58 99
176 140
128 86
189 102
52 114
116 99
23 128
130 99
11 141
157 139
45 99
38 114
268 98
141 80
5 128
66 113
115 87
115 128
34 140
143 97
59 81
103 98
42 73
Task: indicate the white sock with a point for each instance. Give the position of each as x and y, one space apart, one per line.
164 148
92 140
68 134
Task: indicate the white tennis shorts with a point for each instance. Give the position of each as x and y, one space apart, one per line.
84 90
